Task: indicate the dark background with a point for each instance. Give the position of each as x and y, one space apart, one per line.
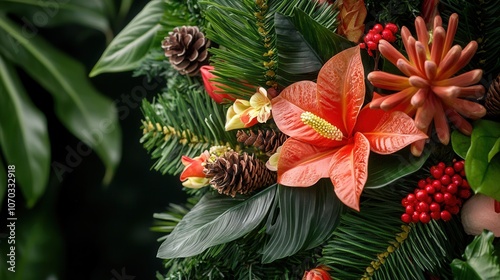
81 229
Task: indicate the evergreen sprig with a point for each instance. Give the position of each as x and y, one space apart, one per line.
478 20
183 120
373 243
245 32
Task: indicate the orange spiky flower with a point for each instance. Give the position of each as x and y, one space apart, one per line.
428 91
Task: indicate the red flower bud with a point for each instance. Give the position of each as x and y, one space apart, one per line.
318 273
212 87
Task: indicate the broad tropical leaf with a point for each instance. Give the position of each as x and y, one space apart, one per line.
461 143
304 45
131 45
302 219
483 174
85 112
214 220
385 169
480 261
24 138
39 14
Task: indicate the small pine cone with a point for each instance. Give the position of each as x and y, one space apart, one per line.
492 101
267 141
233 173
187 49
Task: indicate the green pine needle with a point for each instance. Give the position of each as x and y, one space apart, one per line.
183 120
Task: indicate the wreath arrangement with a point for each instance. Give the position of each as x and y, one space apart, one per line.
325 139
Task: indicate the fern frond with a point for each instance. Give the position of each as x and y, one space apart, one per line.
183 120
245 32
479 21
373 243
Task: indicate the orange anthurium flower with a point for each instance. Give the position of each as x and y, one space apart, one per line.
193 176
330 136
212 87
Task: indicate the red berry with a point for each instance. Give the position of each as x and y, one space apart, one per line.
458 166
392 27
434 207
409 209
437 172
404 202
465 184
438 197
445 215
421 183
452 188
362 45
449 171
415 217
449 199
436 215
388 36
465 193
445 179
406 218
411 197
423 206
376 38
371 45
453 209
462 173
457 179
441 165
368 37
421 195
377 28
430 189
436 184
425 218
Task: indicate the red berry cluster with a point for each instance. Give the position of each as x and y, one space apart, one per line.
438 196
376 33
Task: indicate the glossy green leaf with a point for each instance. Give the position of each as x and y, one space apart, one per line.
483 175
131 45
304 45
480 261
302 218
24 138
494 150
84 111
460 143
385 169
38 14
214 220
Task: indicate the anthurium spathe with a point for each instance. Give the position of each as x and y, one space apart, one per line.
193 176
330 135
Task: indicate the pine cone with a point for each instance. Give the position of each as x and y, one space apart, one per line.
233 173
187 49
492 101
267 141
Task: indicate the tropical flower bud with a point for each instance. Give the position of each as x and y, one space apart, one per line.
318 273
212 87
245 113
193 176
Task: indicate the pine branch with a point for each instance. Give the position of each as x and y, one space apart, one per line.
245 32
479 21
183 120
373 243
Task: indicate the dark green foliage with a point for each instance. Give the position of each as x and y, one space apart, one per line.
400 12
361 236
478 20
192 120
246 35
155 66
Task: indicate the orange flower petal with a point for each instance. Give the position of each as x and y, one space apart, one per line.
430 68
301 164
447 62
441 123
463 125
425 114
466 108
408 69
462 80
341 89
422 34
349 170
393 132
418 99
438 37
450 33
465 56
390 52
